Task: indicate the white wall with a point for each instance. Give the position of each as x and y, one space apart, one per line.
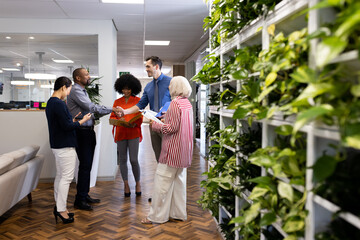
31 127
20 128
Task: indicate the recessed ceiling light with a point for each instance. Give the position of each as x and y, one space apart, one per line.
40 76
1 71
11 69
157 43
22 83
124 1
62 60
18 64
8 37
31 37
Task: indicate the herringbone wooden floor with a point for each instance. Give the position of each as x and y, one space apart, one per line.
115 217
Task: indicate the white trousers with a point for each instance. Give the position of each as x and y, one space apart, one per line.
169 197
65 159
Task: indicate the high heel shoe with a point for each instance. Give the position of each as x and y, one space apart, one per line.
138 193
71 214
126 187
64 220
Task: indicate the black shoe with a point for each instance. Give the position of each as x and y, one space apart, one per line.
92 200
64 220
127 194
83 205
138 194
149 200
71 214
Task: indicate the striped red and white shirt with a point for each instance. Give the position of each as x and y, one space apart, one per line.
177 141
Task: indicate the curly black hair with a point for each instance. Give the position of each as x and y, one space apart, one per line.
129 81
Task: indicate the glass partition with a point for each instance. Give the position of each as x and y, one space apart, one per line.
30 63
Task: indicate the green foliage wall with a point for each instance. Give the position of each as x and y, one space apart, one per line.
274 81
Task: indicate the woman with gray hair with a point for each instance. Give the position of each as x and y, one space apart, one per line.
169 199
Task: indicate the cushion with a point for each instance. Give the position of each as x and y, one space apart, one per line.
22 155
30 152
17 156
5 162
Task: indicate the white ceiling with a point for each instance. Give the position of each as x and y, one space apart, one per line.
179 21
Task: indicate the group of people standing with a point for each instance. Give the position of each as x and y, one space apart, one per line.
72 136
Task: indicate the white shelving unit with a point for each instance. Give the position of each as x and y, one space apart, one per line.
317 135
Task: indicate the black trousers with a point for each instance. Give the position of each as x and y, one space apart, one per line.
86 140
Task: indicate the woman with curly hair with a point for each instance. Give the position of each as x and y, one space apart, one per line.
128 136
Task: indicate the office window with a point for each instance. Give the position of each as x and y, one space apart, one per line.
30 63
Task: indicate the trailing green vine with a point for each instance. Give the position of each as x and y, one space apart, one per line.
278 81
344 35
233 15
210 72
212 125
277 198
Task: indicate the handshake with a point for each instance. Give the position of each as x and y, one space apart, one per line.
118 111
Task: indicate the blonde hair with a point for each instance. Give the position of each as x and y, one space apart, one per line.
179 86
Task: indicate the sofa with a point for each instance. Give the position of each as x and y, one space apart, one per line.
19 175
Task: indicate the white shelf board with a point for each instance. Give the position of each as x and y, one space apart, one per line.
216 51
277 226
229 81
276 123
285 9
282 10
212 163
319 130
327 133
245 195
230 44
218 228
252 30
349 217
214 112
217 25
280 116
229 148
213 107
227 112
226 211
214 84
215 220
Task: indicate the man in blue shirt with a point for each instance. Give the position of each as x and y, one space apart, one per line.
159 85
79 101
